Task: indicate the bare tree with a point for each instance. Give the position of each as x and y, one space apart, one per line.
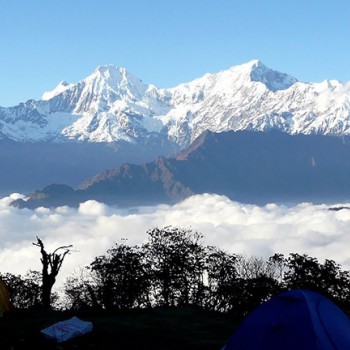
51 265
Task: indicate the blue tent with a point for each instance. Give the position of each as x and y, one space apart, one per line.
293 320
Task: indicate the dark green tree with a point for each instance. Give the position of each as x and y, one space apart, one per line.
24 291
120 279
79 292
176 258
329 279
221 279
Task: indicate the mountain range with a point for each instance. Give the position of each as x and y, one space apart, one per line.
246 166
113 105
111 121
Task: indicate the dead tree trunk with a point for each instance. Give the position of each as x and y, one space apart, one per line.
51 265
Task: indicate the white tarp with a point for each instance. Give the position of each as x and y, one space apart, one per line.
65 330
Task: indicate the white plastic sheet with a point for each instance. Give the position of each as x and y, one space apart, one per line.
68 329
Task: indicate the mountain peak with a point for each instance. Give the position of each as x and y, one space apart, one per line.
115 77
110 69
254 63
272 79
256 71
62 85
248 67
109 73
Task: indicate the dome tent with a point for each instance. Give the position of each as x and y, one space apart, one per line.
296 319
4 298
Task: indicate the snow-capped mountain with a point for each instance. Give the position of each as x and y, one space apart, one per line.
111 105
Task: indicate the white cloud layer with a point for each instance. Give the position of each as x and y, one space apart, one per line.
238 228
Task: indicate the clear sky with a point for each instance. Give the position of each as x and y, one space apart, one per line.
167 42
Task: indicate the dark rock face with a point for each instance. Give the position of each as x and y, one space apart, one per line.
256 167
28 166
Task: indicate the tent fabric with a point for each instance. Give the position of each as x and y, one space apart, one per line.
296 319
4 298
68 329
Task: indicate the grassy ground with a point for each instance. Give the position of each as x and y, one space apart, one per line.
165 329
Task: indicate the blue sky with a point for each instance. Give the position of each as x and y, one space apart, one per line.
167 42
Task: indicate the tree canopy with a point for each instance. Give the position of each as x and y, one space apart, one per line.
173 268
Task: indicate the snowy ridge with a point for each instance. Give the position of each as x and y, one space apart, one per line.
62 86
111 104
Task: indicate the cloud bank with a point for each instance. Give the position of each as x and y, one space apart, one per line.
234 227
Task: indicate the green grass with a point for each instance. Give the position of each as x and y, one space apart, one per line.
165 329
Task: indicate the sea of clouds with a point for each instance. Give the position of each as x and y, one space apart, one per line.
239 228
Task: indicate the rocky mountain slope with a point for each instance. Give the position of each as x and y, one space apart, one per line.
252 167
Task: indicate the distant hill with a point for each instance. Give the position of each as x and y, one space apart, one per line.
31 165
246 166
